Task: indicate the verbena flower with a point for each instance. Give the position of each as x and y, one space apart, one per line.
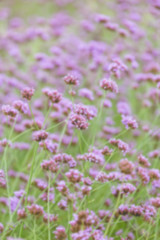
108 84
71 79
129 122
60 233
36 210
63 182
27 93
40 135
79 121
9 111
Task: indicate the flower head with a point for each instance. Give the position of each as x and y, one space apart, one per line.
108 84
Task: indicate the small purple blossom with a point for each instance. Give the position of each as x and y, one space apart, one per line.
27 93
71 79
40 135
129 122
108 84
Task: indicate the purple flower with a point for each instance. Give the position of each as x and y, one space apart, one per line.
60 233
21 106
108 84
71 79
74 176
1 227
9 111
129 122
36 210
27 93
53 95
40 135
86 93
79 121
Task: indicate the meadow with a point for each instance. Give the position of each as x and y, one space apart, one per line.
79 120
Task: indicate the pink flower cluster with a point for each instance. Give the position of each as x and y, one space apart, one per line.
79 113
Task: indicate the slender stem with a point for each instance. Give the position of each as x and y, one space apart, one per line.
113 214
48 207
31 173
62 135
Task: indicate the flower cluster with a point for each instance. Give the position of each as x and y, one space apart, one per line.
79 113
